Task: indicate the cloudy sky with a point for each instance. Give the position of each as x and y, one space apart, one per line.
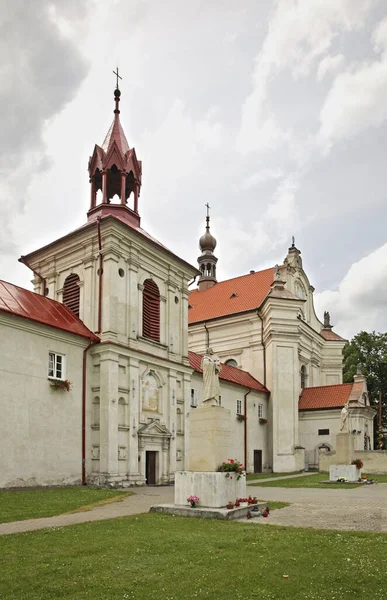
274 112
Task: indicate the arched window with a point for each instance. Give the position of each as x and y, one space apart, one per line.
71 293
122 420
179 415
151 311
231 362
303 376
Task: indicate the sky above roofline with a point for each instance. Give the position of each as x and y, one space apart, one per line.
273 112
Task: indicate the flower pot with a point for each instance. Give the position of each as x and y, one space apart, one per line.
193 504
229 506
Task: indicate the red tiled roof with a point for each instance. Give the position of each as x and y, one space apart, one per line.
232 374
231 296
325 396
28 305
331 336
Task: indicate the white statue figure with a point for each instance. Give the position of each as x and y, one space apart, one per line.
344 418
211 368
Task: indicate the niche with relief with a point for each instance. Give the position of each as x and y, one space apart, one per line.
151 392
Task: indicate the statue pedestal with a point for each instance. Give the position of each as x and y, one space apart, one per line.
214 489
345 448
209 438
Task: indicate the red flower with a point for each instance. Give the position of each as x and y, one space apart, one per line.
232 461
230 477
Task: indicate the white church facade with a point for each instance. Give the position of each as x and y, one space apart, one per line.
100 365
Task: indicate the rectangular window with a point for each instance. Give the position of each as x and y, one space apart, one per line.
56 365
323 431
239 407
194 397
260 411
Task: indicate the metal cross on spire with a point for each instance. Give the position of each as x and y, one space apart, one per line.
118 77
208 209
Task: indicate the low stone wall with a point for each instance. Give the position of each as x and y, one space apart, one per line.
375 461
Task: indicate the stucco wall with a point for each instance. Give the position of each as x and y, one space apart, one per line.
40 428
375 461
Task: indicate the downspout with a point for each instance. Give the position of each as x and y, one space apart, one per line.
84 370
38 275
191 282
99 325
264 350
245 429
207 337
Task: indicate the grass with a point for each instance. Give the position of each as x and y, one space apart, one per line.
310 481
252 476
18 505
273 505
380 478
160 557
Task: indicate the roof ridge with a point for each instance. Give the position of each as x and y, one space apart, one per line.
237 277
314 387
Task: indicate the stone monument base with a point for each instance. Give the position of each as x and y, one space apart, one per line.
213 489
345 448
349 472
209 438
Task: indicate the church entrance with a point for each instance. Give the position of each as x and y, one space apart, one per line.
257 461
150 467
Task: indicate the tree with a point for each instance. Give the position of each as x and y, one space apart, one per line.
369 351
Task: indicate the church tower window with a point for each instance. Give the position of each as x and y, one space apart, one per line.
71 293
151 311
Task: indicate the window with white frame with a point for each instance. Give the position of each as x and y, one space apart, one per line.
260 411
239 407
194 397
56 365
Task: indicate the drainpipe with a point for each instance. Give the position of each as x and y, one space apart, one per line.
207 336
245 428
38 275
191 282
264 350
99 327
84 369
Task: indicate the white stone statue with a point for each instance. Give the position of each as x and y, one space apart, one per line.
211 368
344 418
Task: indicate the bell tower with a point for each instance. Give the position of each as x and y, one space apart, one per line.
116 172
207 260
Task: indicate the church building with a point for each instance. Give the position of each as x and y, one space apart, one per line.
101 364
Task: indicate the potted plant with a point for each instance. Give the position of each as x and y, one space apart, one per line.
230 505
232 466
193 500
358 463
60 384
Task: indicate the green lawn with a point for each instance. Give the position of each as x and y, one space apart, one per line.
310 481
32 504
252 476
159 557
379 478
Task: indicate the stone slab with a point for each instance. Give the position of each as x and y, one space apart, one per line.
350 472
345 448
209 438
214 489
209 513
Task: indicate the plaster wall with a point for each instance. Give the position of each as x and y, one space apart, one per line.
40 428
375 461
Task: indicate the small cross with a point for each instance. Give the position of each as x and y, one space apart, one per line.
293 241
118 77
208 209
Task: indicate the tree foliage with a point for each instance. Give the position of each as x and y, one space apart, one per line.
369 351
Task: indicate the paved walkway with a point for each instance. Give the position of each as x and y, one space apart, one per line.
363 509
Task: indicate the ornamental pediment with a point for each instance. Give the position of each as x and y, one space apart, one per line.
154 428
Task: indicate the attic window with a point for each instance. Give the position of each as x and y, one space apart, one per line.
234 295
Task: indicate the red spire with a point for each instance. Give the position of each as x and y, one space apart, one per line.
116 133
115 170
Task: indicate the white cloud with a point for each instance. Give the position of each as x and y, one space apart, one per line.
361 298
357 99
329 64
